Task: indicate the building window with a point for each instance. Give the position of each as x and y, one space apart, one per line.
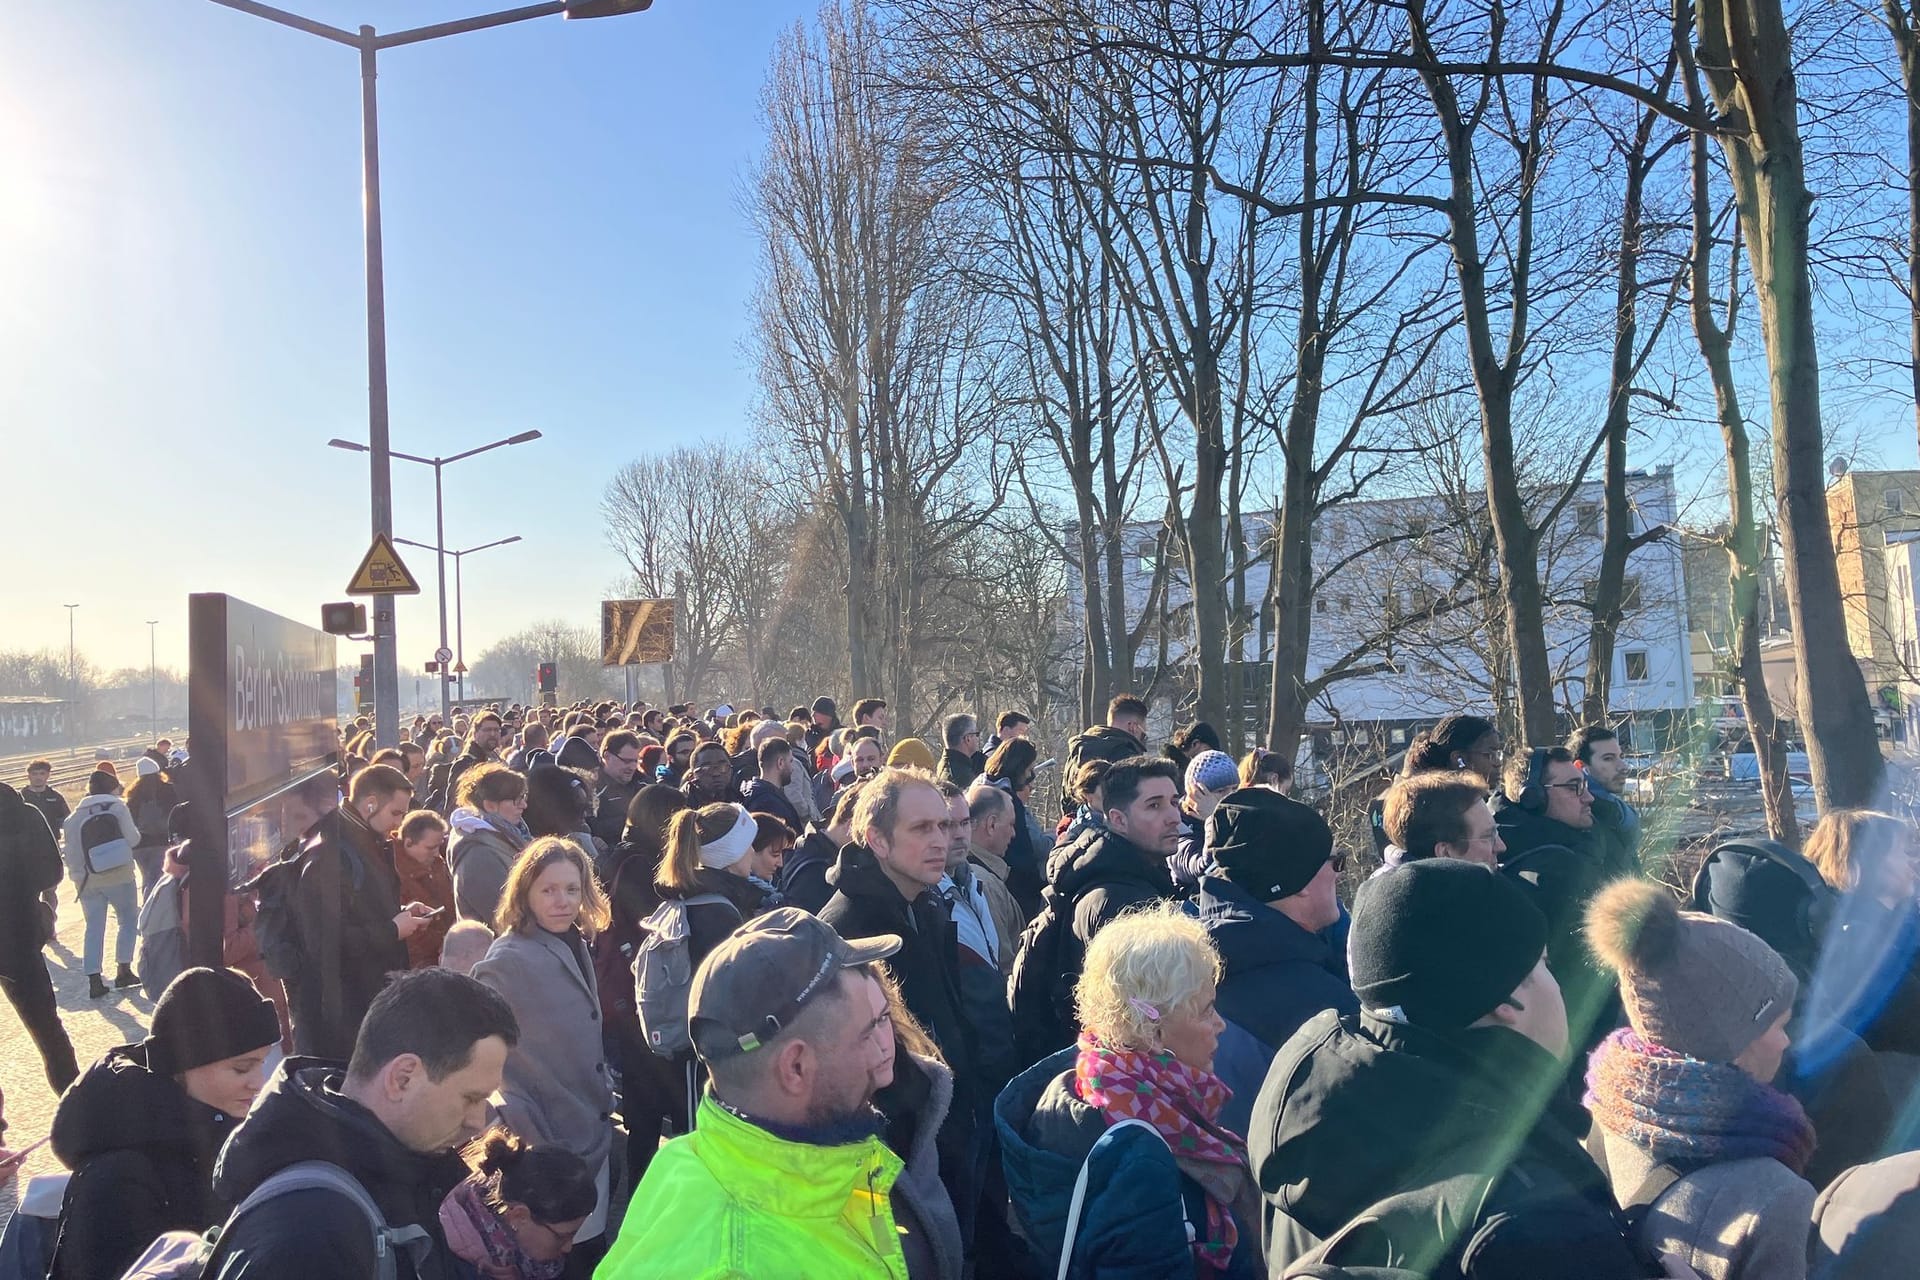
1586 518
1893 502
1319 604
1637 667
1149 556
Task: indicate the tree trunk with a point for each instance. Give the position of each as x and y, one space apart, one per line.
1746 55
1908 47
1743 541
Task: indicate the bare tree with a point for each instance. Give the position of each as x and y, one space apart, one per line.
677 522
1746 54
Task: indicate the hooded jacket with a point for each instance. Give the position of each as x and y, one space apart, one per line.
29 866
865 904
1102 874
1563 869
320 1235
1101 742
916 1104
927 967
345 902
761 796
803 876
142 1154
482 852
1357 1109
1276 976
89 808
1133 1224
731 1199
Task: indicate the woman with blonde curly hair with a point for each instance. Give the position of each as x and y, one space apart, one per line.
1868 976
1131 1114
555 1087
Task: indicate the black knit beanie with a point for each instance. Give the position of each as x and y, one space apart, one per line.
1266 843
1441 943
206 1015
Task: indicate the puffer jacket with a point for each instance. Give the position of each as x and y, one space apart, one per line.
142 1154
731 1199
1133 1224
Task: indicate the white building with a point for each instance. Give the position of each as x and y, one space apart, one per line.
1903 630
1408 604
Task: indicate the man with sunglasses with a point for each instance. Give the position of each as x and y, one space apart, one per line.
1545 816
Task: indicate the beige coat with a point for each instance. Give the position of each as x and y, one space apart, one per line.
1741 1220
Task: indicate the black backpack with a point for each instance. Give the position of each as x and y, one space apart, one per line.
1045 969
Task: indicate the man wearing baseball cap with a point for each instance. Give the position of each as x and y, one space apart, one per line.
1439 1102
786 1172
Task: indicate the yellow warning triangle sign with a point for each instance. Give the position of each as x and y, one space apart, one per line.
381 573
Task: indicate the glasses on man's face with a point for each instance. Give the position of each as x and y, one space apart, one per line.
628 759
1576 785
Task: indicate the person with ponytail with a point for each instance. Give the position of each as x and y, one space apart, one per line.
1692 1133
515 1216
710 851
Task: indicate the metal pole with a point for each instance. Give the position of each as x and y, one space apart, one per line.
73 690
459 621
153 688
386 663
440 548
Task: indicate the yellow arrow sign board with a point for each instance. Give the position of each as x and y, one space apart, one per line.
381 573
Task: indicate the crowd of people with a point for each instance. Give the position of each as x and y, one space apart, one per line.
639 992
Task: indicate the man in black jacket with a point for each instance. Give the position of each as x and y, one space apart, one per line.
483 742
615 785
766 791
1545 819
353 926
884 884
1439 1102
1123 735
29 866
427 1059
962 761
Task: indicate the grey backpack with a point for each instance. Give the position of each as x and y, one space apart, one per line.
663 974
184 1255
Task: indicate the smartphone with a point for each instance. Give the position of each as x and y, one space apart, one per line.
13 1161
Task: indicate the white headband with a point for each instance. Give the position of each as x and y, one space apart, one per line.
734 845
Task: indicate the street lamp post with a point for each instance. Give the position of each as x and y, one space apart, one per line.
153 687
368 42
439 530
459 603
73 690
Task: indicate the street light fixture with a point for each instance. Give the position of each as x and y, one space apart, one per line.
459 602
368 42
439 529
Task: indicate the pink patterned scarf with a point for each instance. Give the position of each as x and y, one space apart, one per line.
1183 1105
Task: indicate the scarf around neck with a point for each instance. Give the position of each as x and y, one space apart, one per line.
502 1246
1689 1113
1183 1106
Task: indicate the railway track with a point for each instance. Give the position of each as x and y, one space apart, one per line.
70 773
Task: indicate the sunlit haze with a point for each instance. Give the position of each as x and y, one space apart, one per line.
182 301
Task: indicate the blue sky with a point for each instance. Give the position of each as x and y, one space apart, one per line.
182 314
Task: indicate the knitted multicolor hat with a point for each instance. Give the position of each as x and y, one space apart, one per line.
1691 983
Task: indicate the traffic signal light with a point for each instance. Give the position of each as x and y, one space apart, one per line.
343 619
363 683
548 677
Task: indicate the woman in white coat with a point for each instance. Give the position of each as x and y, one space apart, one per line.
556 1087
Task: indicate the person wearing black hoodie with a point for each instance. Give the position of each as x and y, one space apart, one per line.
1107 870
1439 1102
1123 735
29 866
1545 819
429 1055
1265 909
884 884
142 1128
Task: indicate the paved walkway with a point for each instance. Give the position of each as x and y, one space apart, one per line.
95 1026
